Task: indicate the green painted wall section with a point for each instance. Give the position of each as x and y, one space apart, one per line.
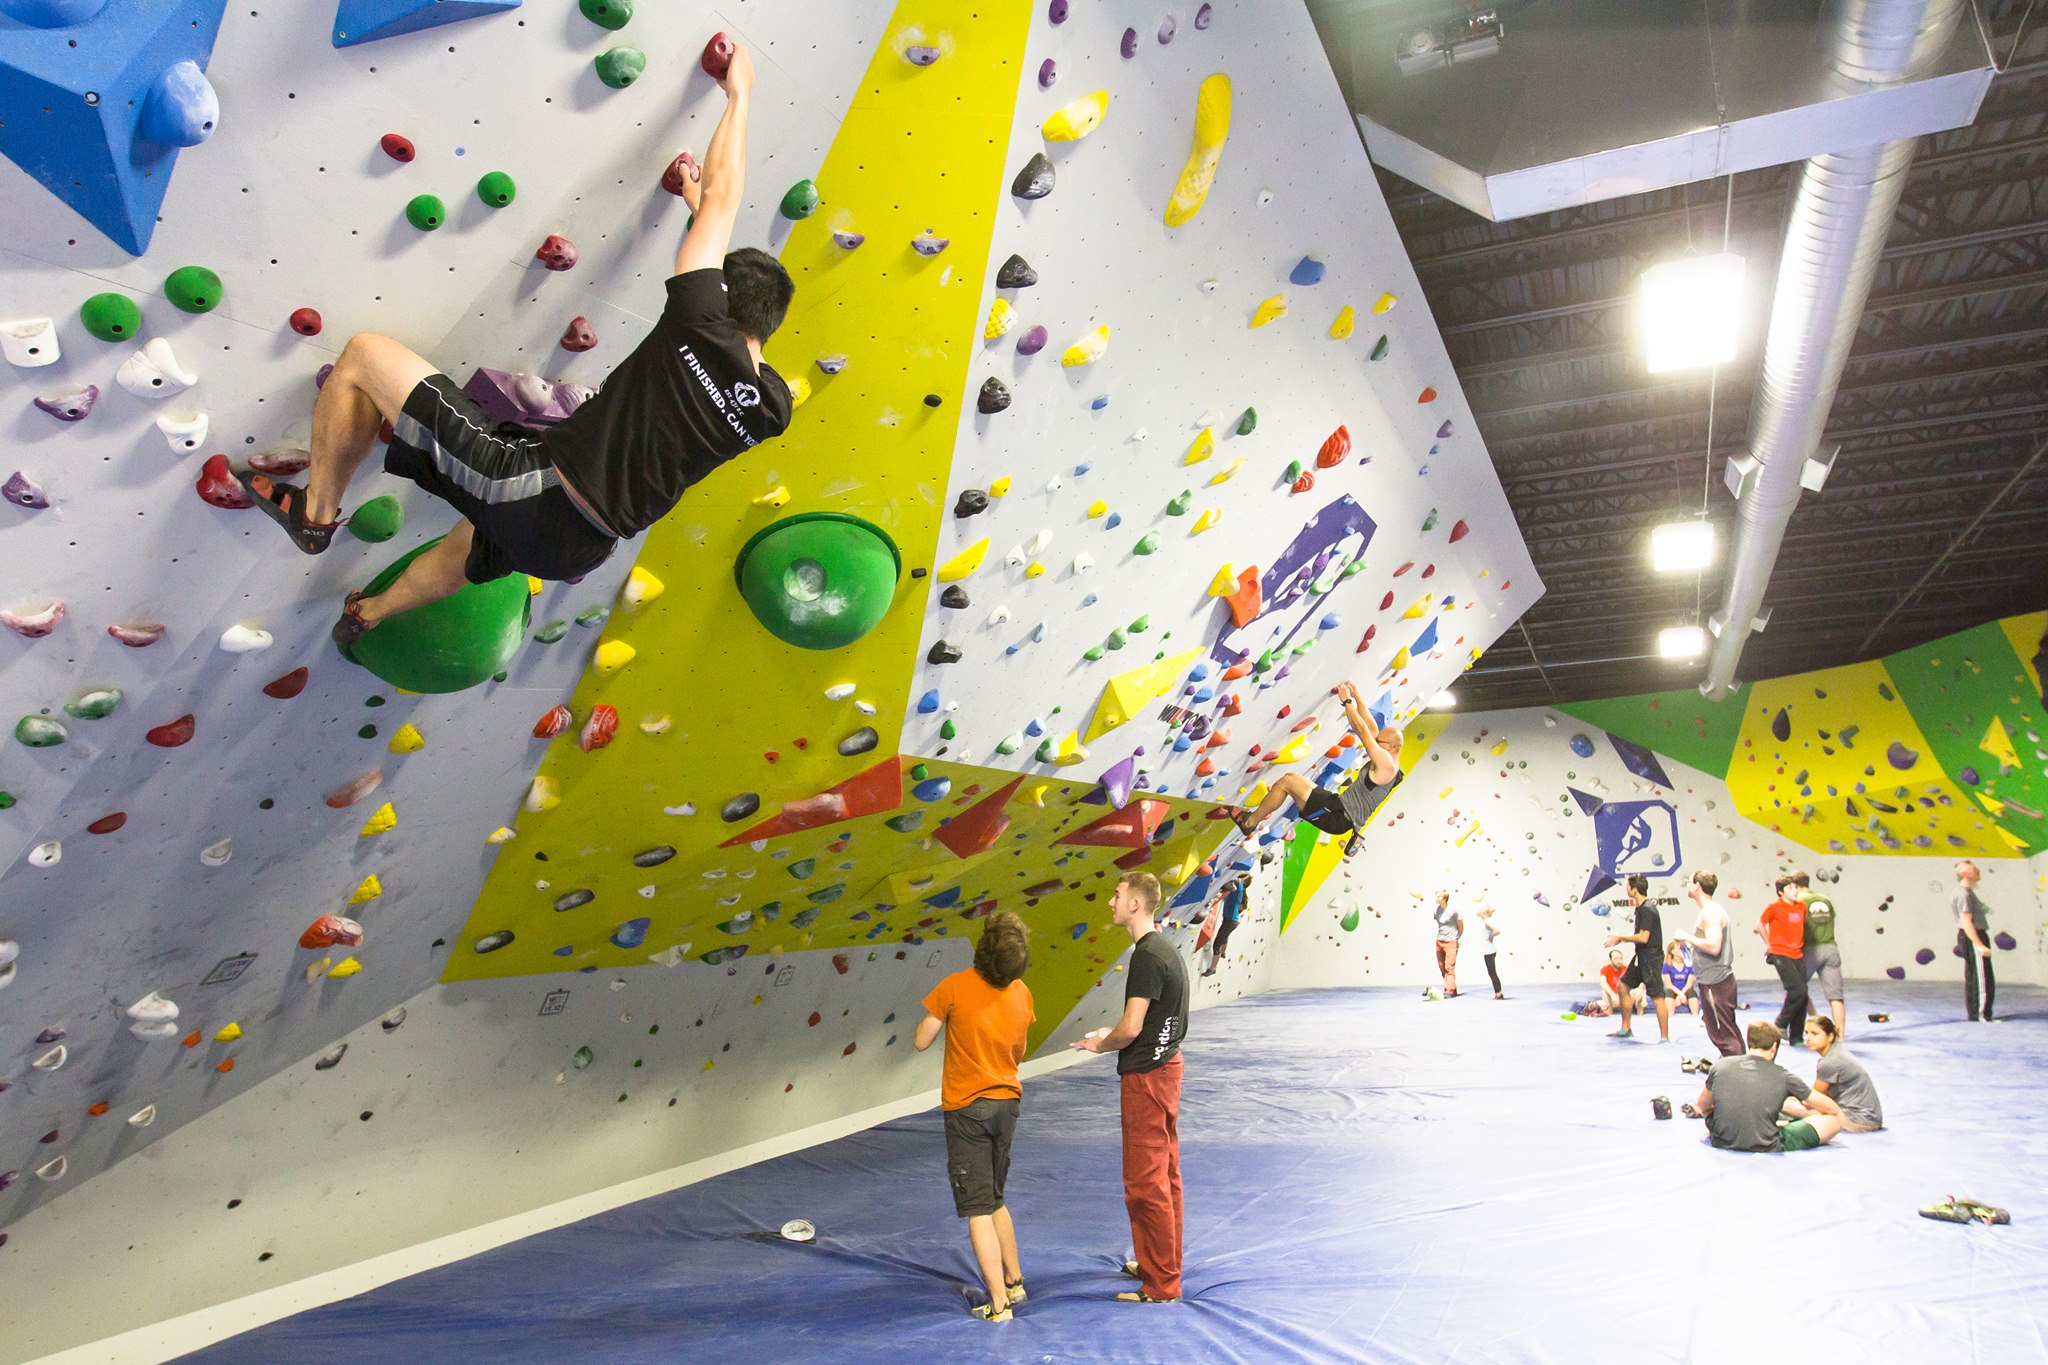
1976 702
1682 724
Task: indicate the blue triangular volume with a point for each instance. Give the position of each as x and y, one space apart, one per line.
365 21
1596 882
1639 761
1426 641
93 156
1381 709
1587 804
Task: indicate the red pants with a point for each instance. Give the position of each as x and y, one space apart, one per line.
1151 1113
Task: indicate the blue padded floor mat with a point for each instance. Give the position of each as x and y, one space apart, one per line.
1369 1176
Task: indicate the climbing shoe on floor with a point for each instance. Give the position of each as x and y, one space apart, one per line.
988 1312
1954 1210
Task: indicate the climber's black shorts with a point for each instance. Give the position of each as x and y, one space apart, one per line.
496 474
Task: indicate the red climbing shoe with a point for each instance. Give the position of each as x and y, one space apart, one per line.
285 504
351 627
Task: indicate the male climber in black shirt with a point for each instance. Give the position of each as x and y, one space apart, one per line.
554 504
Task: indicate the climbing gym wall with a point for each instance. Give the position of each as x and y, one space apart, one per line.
1874 777
1124 436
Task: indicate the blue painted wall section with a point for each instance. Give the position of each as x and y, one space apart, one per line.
366 21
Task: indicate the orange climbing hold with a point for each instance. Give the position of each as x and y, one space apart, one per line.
1244 603
1334 450
599 729
1426 396
331 931
976 830
556 721
1305 482
356 790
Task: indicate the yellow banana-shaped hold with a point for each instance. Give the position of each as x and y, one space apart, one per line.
1212 126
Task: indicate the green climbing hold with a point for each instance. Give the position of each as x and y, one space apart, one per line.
193 289
550 633
947 729
584 1057
1093 655
1379 350
1010 743
611 14
1141 625
801 201
39 733
1429 522
1304 646
1117 638
1247 423
97 704
367 732
1265 662
1046 750
819 580
497 189
1293 471
594 616
1349 922
919 772
426 212
1147 543
6 800
905 822
377 520
1178 507
449 645
621 66
1355 566
111 317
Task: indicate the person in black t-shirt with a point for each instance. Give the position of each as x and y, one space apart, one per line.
692 395
1147 1042
1647 971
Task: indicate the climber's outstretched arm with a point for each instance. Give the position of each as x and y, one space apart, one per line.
725 174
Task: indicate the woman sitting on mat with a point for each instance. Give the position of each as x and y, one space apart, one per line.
1678 977
1842 1078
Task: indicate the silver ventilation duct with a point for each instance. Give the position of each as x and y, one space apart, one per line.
1842 211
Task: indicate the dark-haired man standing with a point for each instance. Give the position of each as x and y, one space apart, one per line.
693 394
1647 971
986 1015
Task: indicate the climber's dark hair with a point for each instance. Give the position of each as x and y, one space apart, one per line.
757 291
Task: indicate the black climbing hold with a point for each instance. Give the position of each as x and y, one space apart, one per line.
1781 726
740 807
490 943
655 857
970 502
1016 274
1035 181
569 900
994 396
953 596
859 742
942 653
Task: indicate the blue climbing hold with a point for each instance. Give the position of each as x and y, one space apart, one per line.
366 21
928 703
932 788
1329 622
1198 672
182 108
1112 521
1582 746
632 933
52 13
1080 929
1099 402
1308 271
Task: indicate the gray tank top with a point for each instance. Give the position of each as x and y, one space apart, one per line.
1364 796
1711 969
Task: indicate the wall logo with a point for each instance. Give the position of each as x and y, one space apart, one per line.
1629 837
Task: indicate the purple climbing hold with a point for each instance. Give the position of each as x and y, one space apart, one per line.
23 491
1167 28
75 406
1896 973
1118 780
849 240
1129 47
1048 72
1443 433
1057 11
1900 757
1204 16
2004 942
1924 956
632 933
920 55
526 399
1032 342
1970 776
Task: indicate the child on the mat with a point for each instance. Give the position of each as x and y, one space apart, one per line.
1331 812
1748 1102
1678 977
1842 1078
986 1014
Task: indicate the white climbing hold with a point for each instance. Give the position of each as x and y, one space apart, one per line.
46 855
186 431
53 1059
998 616
1036 545
154 372
217 855
53 1170
9 951
142 1117
503 834
240 639
152 1009
647 893
687 808
839 691
1016 557
30 342
1083 562
866 708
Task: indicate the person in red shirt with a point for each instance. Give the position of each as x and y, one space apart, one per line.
1782 927
986 1015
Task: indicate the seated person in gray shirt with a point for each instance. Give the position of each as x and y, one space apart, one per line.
1842 1078
1745 1099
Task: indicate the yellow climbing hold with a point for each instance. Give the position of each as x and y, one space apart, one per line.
1420 608
656 725
1998 744
1069 752
316 970
1201 448
641 588
1275 307
799 390
1400 659
999 487
385 819
1127 694
1226 475
228 1033
1346 320
965 563
503 834
408 740
543 794
348 966
1386 301
1001 318
533 586
1224 583
1292 750
1035 794
612 656
366 890
1097 508
1467 834
1088 349
1072 122
774 497
1212 126
1034 570
1500 748
1206 520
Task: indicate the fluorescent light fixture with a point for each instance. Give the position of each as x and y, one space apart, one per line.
1444 700
1680 545
1690 311
1681 642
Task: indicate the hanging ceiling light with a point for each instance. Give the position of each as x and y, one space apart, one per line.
1444 700
1681 642
1691 308
1682 545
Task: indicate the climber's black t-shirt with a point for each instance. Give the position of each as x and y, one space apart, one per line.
684 402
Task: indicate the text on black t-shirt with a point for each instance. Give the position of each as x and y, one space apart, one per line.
1157 974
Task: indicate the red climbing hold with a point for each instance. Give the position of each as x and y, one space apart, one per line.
386 433
683 168
1244 603
1366 643
599 729
1429 571
107 824
332 931
191 1039
172 735
283 462
556 253
1426 396
356 790
1305 482
557 721
1459 532
1334 450
219 487
137 637
397 147
287 687
976 831
840 963
718 56
579 336
306 322
772 755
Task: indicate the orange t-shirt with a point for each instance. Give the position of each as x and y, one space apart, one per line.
1784 926
985 1033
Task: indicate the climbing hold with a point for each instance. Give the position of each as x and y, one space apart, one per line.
366 890
1016 273
599 728
612 656
578 336
34 625
1225 474
107 824
542 795
377 520
347 967
619 67
173 734
682 171
496 189
777 496
740 807
38 732
219 487
1212 127
193 289
717 56
994 396
1032 342
1459 531
1048 72
407 740
819 580
1088 349
110 317
1036 180
425 212
397 147
239 639
1206 520
942 653
344 797
183 431
1385 302
1129 45
641 588
1201 448
490 943
73 406
1147 543
449 645
1334 448
97 704
925 244
1344 323
953 596
23 491
800 200
556 253
1203 17
1072 122
1275 307
1428 395
286 687
557 720
154 372
611 14
1177 506
1001 318
30 343
382 821
1303 482
1306 272
860 741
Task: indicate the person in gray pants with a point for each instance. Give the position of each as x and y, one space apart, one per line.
1823 957
1713 965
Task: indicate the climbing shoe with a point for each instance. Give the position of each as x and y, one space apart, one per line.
351 627
285 504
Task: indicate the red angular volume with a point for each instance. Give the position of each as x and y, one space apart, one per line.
287 687
1334 449
171 736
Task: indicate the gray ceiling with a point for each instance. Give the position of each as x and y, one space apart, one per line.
1936 515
